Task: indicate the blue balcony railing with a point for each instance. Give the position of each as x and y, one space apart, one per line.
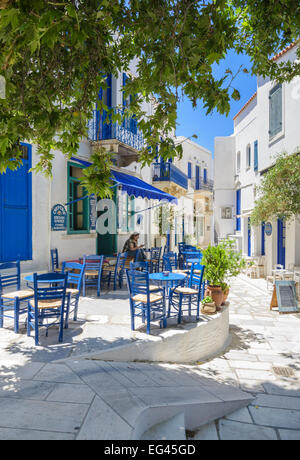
169 173
127 131
204 185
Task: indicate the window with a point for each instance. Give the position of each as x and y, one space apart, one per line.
256 156
126 213
78 210
205 175
238 162
189 170
226 212
275 110
248 156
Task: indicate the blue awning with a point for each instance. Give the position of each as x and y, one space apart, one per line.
135 186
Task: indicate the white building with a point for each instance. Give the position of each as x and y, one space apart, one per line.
266 125
38 214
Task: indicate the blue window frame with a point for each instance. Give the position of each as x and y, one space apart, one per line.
205 176
256 156
189 170
197 177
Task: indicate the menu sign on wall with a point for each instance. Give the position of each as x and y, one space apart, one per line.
58 218
93 212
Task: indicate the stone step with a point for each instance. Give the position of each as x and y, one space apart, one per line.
172 429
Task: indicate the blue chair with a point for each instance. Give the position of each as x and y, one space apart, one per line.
143 303
188 298
12 303
48 303
155 259
54 260
75 279
115 273
143 266
93 272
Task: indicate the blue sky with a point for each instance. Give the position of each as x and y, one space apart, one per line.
206 127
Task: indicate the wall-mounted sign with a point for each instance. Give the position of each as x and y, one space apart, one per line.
93 212
58 218
268 228
284 297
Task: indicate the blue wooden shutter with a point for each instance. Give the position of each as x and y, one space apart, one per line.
256 156
197 178
189 170
205 175
125 78
275 110
16 211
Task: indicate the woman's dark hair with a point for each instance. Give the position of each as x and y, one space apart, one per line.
133 235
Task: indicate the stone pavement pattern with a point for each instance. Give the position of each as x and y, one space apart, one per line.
261 340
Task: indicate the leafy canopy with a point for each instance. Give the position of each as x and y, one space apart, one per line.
279 192
55 56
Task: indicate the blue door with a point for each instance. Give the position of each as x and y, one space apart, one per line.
263 239
249 237
238 210
15 211
281 242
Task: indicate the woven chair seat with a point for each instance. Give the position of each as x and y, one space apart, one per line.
92 272
143 298
181 272
186 290
20 294
43 304
72 291
152 287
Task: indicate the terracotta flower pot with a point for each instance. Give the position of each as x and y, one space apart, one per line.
216 293
225 295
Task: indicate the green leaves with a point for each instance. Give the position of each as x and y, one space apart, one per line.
54 56
279 193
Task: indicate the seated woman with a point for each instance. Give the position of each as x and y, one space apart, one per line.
131 247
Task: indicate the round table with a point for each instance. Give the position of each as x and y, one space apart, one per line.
29 279
172 278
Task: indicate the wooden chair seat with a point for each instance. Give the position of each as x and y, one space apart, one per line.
23 294
186 290
143 298
43 304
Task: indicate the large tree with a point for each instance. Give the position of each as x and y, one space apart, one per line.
279 192
56 54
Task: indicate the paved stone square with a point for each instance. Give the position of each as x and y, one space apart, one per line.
53 379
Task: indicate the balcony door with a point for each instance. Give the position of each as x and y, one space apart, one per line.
197 178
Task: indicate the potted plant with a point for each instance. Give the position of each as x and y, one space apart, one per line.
208 305
235 265
216 267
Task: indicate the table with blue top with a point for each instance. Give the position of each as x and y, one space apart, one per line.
167 281
29 279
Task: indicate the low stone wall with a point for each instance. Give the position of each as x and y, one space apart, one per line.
187 343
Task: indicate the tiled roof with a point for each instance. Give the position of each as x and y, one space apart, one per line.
274 58
244 106
285 50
